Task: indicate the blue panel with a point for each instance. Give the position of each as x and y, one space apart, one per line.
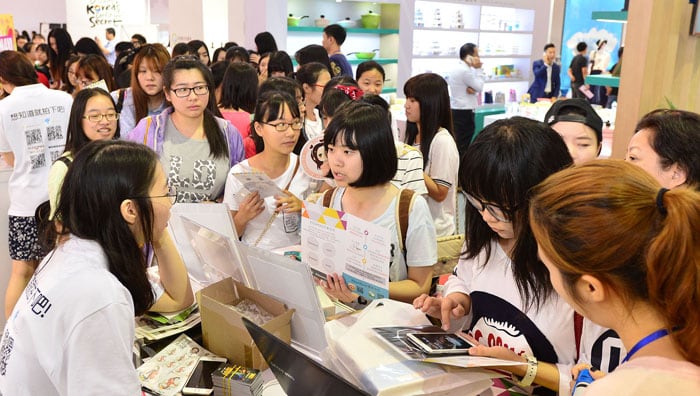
579 26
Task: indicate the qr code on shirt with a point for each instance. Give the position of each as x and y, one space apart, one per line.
33 136
54 132
38 161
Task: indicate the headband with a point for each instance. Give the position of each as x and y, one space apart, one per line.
353 92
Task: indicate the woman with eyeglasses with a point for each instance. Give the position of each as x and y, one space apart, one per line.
313 77
73 327
94 117
145 97
71 84
196 147
274 221
500 290
93 68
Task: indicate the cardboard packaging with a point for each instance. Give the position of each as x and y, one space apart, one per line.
223 331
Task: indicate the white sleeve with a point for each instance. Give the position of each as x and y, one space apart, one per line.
412 162
98 354
421 242
4 144
474 79
443 164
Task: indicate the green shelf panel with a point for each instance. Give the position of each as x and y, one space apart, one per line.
607 81
610 16
349 30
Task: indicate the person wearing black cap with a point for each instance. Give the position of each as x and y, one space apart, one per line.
580 127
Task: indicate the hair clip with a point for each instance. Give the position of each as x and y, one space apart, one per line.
353 92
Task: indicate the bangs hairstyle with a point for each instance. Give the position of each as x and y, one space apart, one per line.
217 141
154 57
280 61
239 89
503 163
102 176
365 127
430 91
98 66
602 218
75 136
270 107
368 66
676 139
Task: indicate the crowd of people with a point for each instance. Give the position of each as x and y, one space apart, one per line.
569 261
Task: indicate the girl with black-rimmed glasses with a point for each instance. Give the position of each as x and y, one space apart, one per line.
196 147
499 288
275 221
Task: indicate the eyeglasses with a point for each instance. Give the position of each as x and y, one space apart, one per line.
100 117
283 126
172 195
199 90
497 212
85 83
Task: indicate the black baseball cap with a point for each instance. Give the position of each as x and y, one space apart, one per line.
575 110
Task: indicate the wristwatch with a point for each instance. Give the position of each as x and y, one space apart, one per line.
530 373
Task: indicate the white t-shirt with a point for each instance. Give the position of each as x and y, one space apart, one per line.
33 125
461 78
649 376
498 315
443 168
286 227
72 330
313 128
601 347
421 244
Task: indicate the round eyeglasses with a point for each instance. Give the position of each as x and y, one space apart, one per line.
199 90
496 211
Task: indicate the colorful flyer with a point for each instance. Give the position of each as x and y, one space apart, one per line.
260 182
333 241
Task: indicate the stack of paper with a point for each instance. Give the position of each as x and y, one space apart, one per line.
236 380
152 328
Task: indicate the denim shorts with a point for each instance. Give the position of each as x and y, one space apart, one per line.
24 239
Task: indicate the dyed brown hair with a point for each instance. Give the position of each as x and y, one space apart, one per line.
155 56
602 218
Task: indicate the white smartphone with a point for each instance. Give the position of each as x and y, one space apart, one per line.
200 382
470 59
440 343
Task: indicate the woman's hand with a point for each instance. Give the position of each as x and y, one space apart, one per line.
445 308
288 204
251 207
335 287
596 374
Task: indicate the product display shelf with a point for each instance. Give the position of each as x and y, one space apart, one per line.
315 29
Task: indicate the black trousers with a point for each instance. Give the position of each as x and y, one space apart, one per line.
463 121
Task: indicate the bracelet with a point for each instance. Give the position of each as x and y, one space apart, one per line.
530 374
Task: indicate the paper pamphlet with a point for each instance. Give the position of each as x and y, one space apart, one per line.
396 337
337 242
166 372
586 91
260 182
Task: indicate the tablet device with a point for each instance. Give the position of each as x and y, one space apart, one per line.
440 343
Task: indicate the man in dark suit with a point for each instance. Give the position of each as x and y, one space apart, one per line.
546 71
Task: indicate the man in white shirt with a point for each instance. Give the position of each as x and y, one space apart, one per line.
108 48
466 83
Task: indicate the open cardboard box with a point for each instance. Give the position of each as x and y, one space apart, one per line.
223 331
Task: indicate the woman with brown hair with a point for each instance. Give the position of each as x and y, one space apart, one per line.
623 251
93 68
145 97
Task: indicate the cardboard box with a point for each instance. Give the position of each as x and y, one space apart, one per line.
223 331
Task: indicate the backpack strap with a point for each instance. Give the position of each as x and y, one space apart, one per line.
328 196
149 119
403 209
120 100
66 161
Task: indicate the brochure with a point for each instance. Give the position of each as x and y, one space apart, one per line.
396 337
260 182
337 242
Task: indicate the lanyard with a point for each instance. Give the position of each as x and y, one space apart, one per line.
644 342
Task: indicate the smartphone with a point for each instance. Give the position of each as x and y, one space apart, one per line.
199 382
470 59
440 343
